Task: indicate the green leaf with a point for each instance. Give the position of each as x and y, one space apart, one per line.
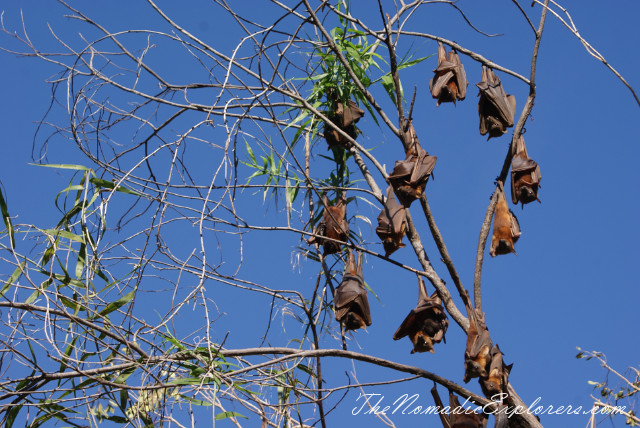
196 401
13 278
7 220
36 293
412 62
225 415
71 304
186 381
105 184
306 369
67 352
80 262
116 419
118 303
64 166
11 415
64 234
251 155
124 399
124 375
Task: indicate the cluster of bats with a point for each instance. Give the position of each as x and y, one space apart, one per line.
483 359
496 110
427 323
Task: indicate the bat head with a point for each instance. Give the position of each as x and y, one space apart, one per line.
494 126
421 342
354 320
473 368
392 243
503 246
449 92
527 194
491 387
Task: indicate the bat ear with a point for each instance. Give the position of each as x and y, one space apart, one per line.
325 200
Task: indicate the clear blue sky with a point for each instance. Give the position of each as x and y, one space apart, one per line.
574 281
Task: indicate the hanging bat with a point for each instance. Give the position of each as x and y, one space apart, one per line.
495 107
450 81
409 177
525 175
392 224
333 225
506 229
345 118
467 418
351 302
426 324
477 355
496 381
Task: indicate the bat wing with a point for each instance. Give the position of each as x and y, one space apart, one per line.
417 320
391 224
511 102
351 114
351 297
514 226
525 175
492 89
523 164
504 105
478 351
412 138
384 223
461 76
392 218
496 381
396 212
440 80
444 72
351 302
423 168
407 326
426 324
496 108
402 169
481 345
450 81
363 306
462 418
